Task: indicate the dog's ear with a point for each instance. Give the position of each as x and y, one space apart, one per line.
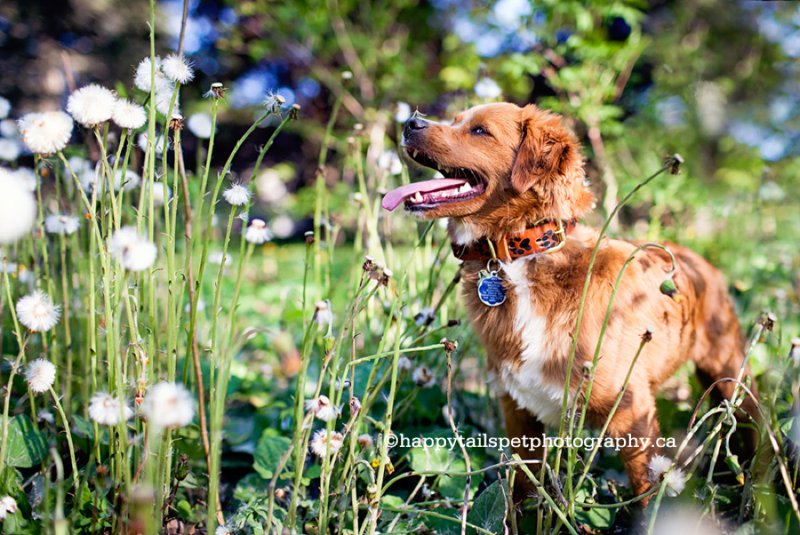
545 153
549 163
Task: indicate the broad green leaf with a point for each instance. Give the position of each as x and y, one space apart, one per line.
599 518
489 509
27 446
268 453
441 459
441 526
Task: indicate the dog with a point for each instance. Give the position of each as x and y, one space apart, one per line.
514 192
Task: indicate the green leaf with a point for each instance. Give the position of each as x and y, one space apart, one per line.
311 472
441 526
453 486
600 518
268 453
441 459
184 509
27 446
434 459
489 509
391 500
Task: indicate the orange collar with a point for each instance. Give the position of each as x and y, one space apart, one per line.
545 236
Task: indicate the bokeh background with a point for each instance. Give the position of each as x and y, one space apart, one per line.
715 80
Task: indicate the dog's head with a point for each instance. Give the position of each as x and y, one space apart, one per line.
503 165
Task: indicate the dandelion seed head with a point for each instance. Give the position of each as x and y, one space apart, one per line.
426 491
404 364
128 114
8 505
237 195
322 408
365 441
794 352
273 102
40 375
200 125
5 107
142 78
37 312
423 377
89 180
17 207
217 91
106 409
91 105
8 129
26 176
159 142
323 315
257 232
124 179
178 69
46 417
321 443
127 180
168 405
78 165
675 482
9 149
657 466
61 224
282 226
47 132
134 252
164 104
158 193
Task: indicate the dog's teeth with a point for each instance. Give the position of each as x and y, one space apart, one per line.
418 197
465 188
414 153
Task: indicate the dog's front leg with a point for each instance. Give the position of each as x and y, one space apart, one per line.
521 424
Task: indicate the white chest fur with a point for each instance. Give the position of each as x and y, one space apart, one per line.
526 383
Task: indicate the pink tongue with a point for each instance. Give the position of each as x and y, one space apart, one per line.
393 199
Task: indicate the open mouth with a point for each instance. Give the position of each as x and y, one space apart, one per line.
460 185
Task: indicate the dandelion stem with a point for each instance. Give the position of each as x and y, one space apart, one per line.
75 478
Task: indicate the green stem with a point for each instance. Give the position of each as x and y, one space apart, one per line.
75 478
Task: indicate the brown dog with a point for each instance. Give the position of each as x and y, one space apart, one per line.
516 180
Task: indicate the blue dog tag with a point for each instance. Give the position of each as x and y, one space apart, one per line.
490 289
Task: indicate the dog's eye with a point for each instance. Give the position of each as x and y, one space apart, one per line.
479 131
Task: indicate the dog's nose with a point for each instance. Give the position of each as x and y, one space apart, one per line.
415 124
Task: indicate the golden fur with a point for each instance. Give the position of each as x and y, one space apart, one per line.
532 168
